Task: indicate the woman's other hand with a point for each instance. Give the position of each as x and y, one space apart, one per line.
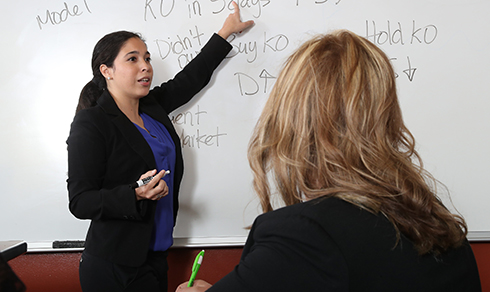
199 286
155 189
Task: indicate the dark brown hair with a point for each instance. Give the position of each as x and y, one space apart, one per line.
105 52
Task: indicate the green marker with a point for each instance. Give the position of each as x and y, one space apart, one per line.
195 267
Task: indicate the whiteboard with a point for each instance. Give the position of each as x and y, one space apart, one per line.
438 48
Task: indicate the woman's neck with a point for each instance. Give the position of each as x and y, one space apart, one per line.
130 108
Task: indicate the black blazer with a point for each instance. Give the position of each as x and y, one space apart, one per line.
331 245
106 153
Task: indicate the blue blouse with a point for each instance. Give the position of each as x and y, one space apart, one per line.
163 147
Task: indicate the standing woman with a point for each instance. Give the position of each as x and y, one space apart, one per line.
122 133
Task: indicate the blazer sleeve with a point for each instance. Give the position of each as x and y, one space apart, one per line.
287 253
194 77
87 161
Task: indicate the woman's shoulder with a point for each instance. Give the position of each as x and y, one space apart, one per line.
335 216
319 206
92 115
92 121
325 212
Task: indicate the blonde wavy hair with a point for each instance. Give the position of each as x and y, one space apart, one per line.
332 126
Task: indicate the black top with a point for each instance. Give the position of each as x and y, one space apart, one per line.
328 244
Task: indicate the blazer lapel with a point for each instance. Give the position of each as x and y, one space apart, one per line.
127 129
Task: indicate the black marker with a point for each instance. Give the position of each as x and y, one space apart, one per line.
146 180
69 244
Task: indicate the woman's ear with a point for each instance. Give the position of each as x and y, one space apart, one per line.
106 71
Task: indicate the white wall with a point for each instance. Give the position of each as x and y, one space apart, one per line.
439 50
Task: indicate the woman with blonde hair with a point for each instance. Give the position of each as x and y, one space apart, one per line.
361 212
